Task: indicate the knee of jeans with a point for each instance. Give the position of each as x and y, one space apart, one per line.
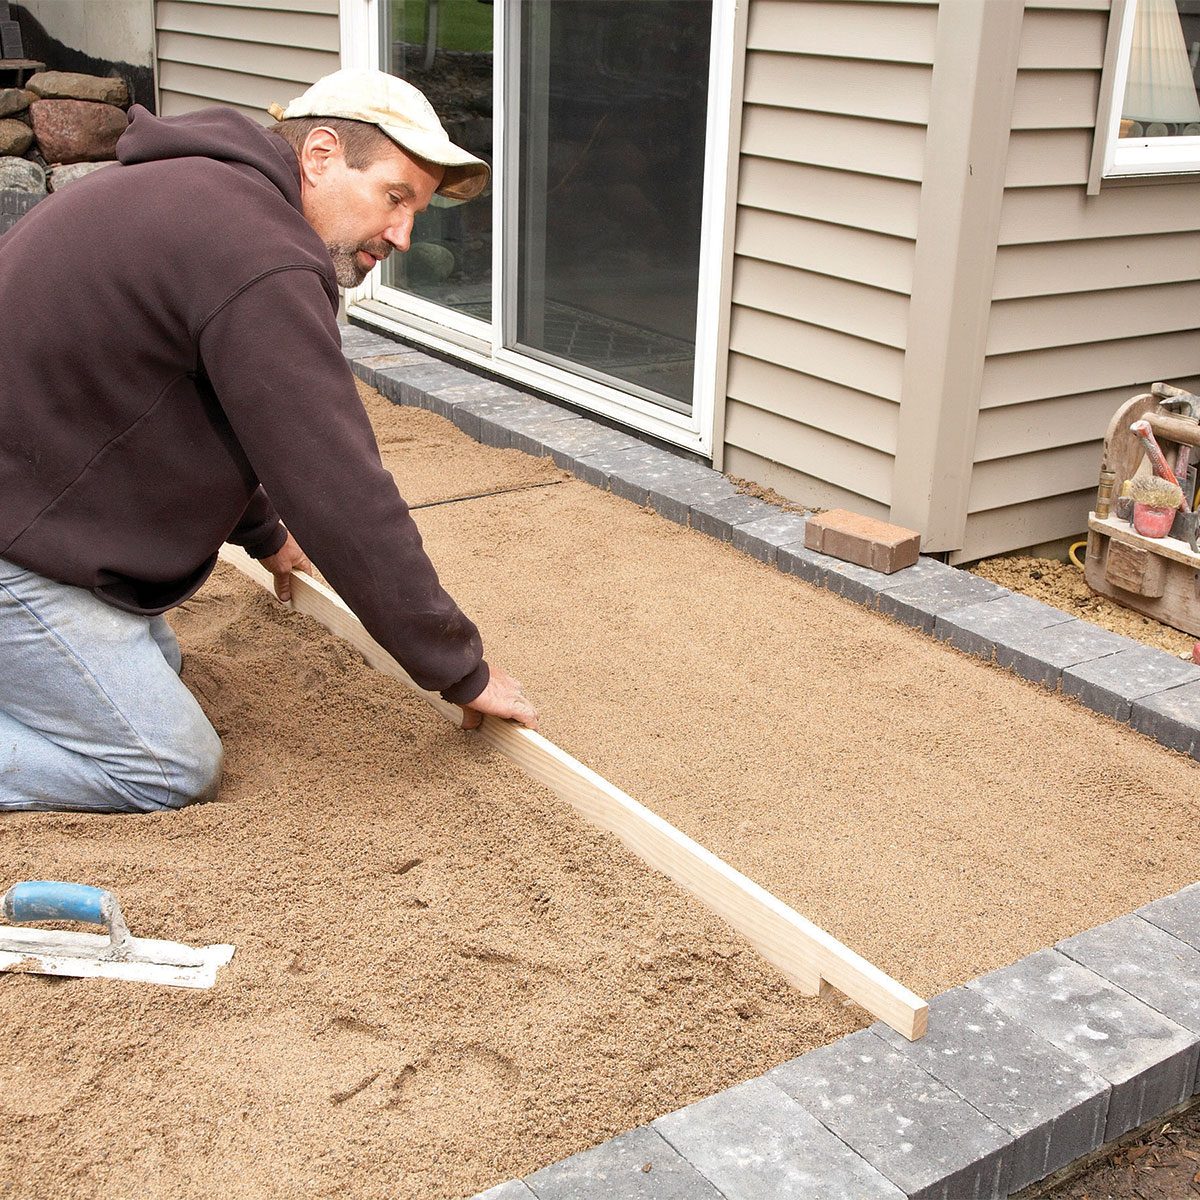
186 772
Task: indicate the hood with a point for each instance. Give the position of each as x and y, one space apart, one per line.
216 132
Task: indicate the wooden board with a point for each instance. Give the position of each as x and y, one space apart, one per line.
806 955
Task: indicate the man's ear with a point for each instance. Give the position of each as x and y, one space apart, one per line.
320 147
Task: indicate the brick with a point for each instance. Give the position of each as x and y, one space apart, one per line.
597 467
1145 961
575 442
411 385
1053 1106
863 540
658 471
673 498
356 340
1111 684
974 629
914 1130
1171 717
754 1142
933 588
485 410
1149 1060
761 539
1179 914
615 1171
513 1190
1041 655
720 516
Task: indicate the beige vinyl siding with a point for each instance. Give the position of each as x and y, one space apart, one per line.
835 105
242 53
1093 298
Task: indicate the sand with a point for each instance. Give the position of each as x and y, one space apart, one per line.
444 978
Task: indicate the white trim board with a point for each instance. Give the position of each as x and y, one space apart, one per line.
806 955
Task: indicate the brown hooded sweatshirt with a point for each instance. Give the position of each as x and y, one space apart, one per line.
170 344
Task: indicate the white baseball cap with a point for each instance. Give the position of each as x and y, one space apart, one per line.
402 112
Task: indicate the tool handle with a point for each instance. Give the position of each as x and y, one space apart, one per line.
45 900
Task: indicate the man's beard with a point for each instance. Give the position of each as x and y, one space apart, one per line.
346 266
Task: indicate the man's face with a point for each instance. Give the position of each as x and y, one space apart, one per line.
362 216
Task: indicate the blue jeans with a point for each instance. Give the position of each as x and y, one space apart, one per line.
93 714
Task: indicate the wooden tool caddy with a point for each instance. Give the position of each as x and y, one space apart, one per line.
1156 576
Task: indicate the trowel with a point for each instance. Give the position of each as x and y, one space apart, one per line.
116 954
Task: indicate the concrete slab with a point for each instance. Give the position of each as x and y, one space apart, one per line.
513 1190
754 1142
1149 1060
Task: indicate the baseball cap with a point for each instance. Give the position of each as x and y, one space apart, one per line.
402 112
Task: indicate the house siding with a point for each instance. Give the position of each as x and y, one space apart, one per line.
245 54
834 115
1093 297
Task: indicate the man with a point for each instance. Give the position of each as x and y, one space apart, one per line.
172 378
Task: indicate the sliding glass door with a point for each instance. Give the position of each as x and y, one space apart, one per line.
591 267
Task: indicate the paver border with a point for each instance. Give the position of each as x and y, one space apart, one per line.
933 1119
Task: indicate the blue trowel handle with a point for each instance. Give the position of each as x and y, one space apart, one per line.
43 900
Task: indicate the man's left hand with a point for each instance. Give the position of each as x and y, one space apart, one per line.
288 558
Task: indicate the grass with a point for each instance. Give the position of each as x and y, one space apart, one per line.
462 24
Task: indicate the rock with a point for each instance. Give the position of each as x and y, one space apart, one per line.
60 177
14 100
70 85
429 262
19 175
70 131
15 137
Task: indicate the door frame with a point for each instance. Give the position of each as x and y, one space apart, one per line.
479 343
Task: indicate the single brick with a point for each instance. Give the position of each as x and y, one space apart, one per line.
925 1138
356 340
753 1141
1109 685
1149 1060
1179 914
720 516
1041 655
919 599
863 540
1171 717
1145 961
974 629
761 539
513 1190
617 1170
1054 1107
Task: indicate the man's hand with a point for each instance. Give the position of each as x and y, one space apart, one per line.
288 558
502 697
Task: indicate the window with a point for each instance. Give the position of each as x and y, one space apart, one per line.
1153 122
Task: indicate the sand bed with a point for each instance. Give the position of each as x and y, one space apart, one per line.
443 978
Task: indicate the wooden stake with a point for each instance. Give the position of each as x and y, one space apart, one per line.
807 956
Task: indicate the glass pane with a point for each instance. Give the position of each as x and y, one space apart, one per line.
444 47
1162 95
611 172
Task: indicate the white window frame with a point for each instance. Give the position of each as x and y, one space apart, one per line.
1133 157
482 345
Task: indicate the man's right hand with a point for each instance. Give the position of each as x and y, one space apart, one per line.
502 697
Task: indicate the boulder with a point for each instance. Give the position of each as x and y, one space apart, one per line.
15 137
60 177
20 175
70 131
14 100
70 85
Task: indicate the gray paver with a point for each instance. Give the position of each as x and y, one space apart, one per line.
598 468
663 474
672 493
580 439
1041 655
1171 717
756 1143
358 341
761 539
484 410
1109 685
719 516
1149 1060
924 1137
1053 1105
411 384
615 1171
974 629
513 1190
931 590
1178 914
1145 961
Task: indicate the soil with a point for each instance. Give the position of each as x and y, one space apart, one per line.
443 978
